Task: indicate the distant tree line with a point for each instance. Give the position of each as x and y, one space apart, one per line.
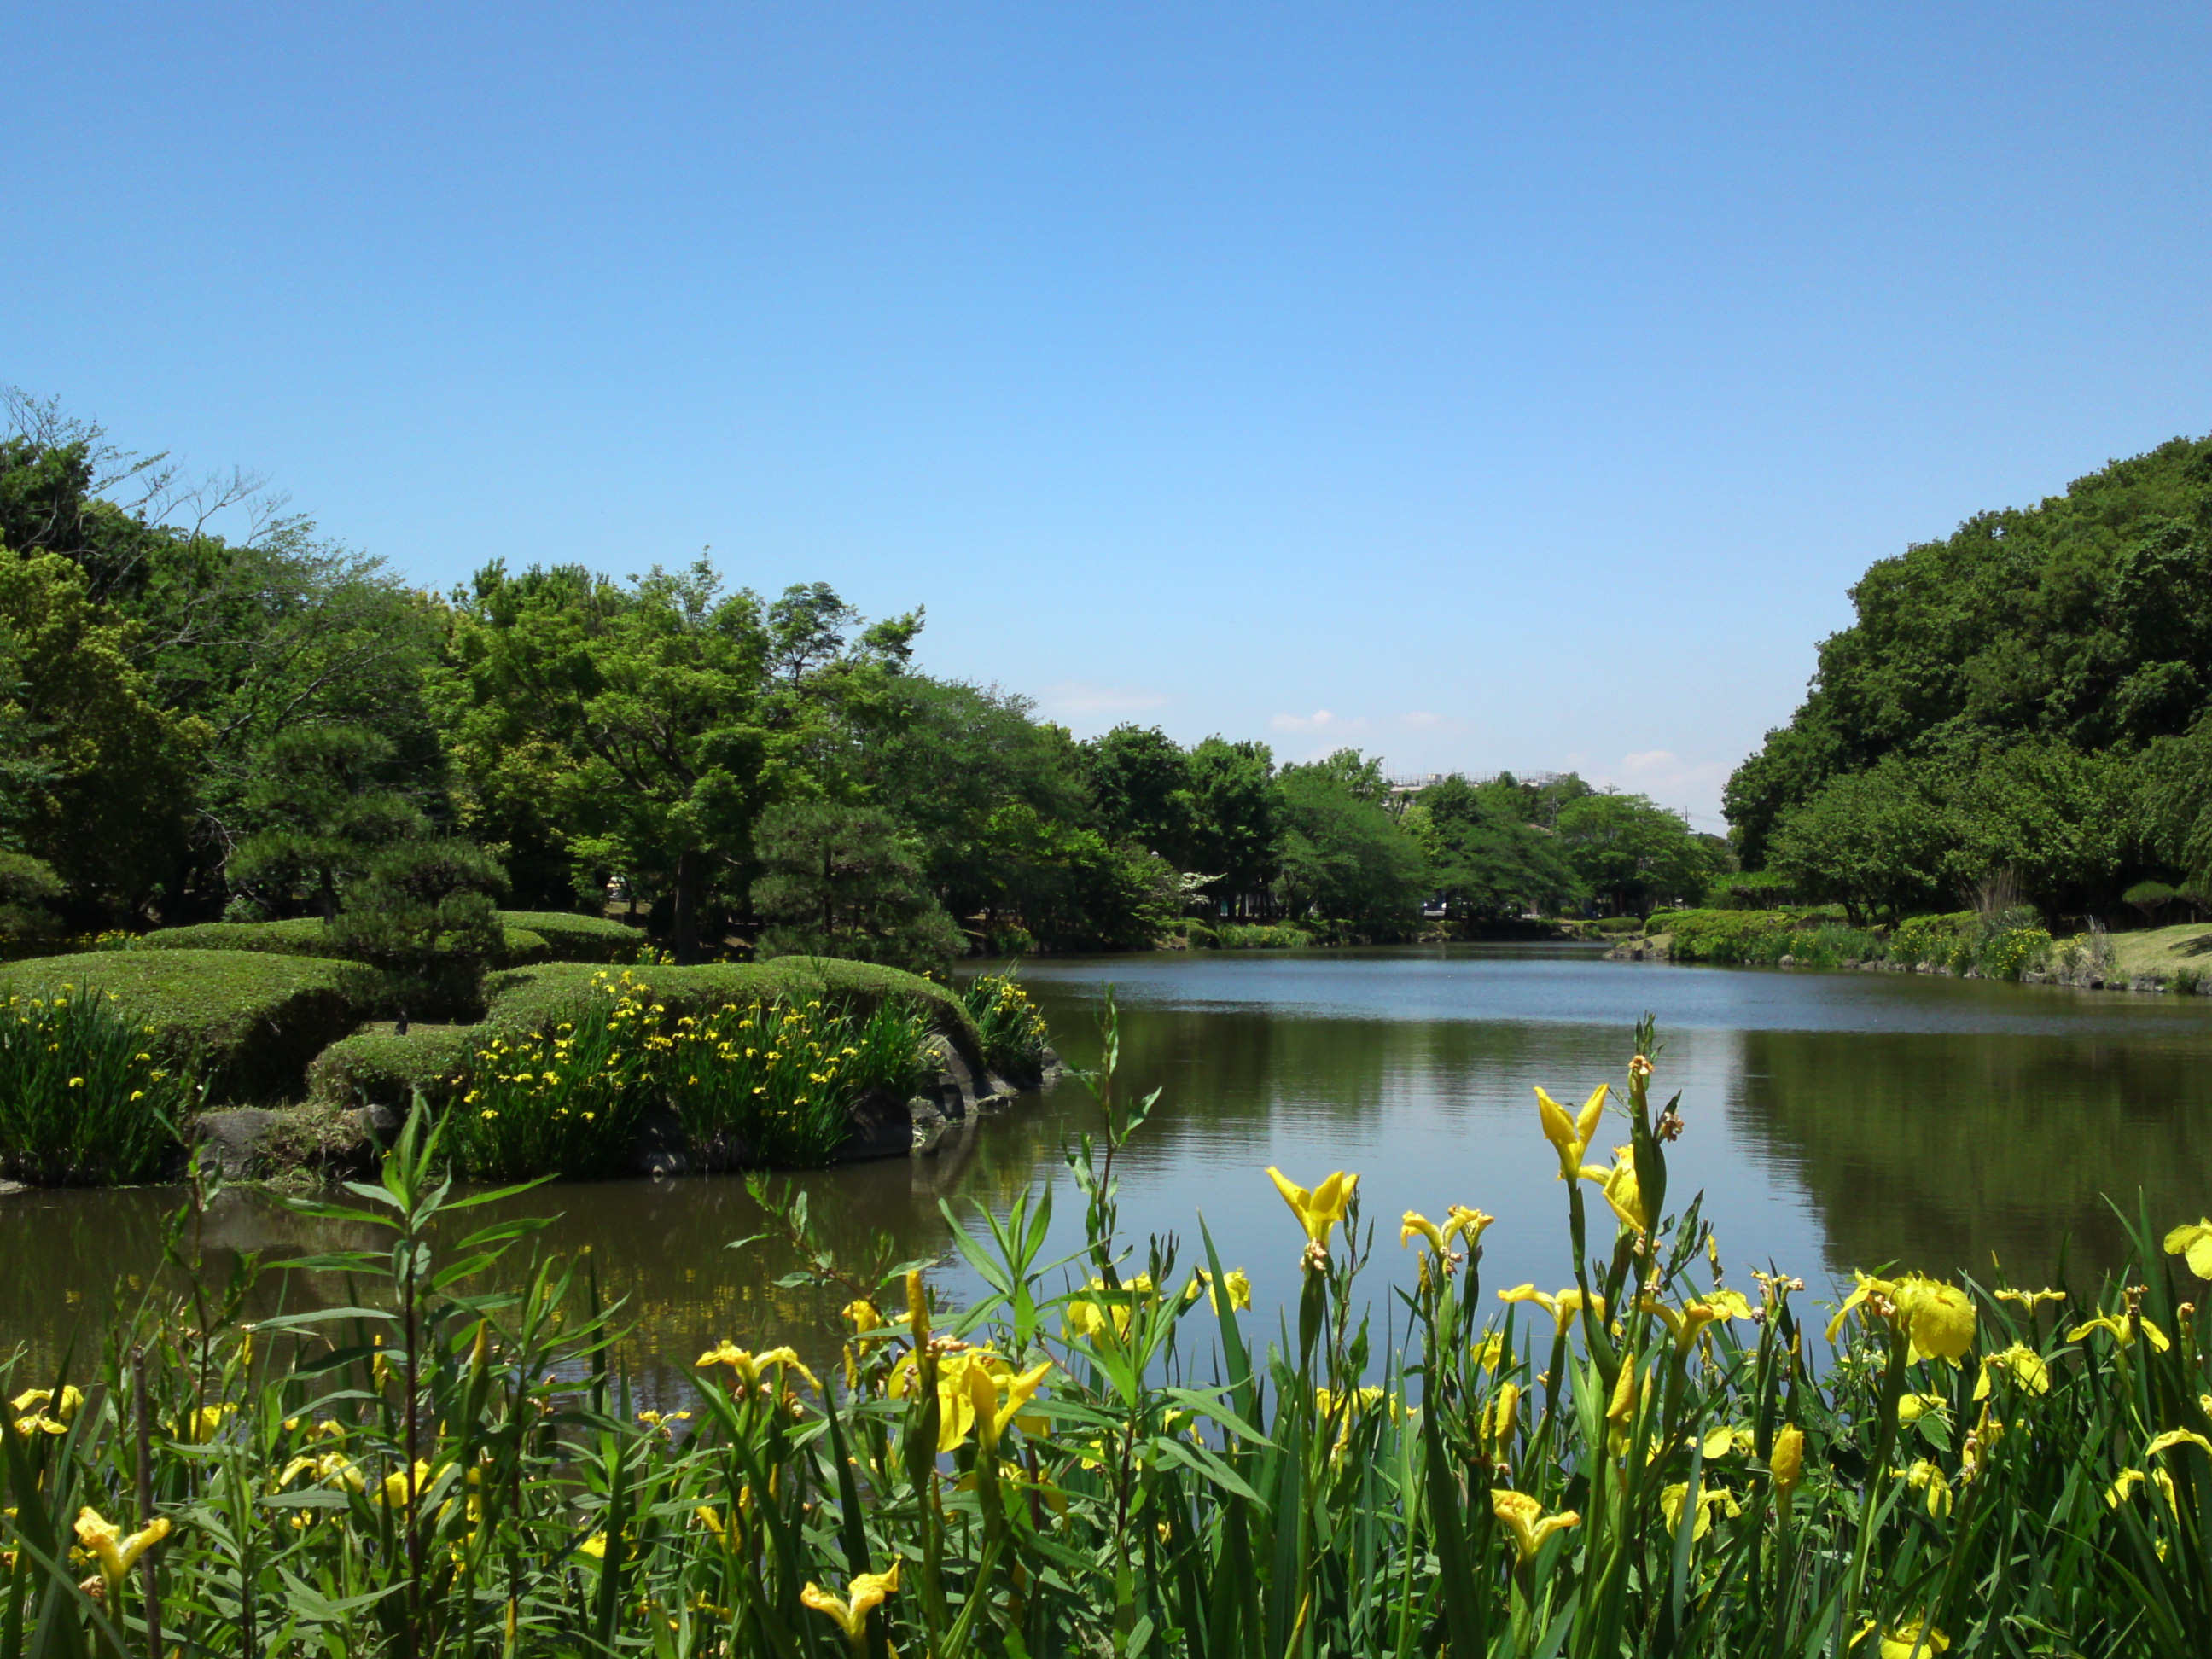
210 710
2024 709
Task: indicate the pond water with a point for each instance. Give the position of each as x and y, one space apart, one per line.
1833 1120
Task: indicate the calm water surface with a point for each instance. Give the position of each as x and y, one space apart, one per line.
1833 1120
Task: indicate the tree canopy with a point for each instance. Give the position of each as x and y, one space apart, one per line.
2017 700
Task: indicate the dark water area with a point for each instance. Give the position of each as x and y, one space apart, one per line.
1833 1120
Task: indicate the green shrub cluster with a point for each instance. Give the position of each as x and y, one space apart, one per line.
577 939
767 1082
310 936
250 1022
564 1101
1261 936
85 1099
381 1067
531 999
773 1083
1010 1023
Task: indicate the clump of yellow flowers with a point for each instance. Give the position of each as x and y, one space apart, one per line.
1098 1451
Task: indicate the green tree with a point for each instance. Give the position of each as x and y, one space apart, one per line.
653 721
2085 621
2060 823
1073 888
841 881
104 775
1342 855
1485 859
1880 841
425 909
251 635
1635 853
323 810
943 758
1141 780
1234 803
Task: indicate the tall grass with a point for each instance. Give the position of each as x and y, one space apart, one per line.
564 1101
1010 1023
775 1083
86 1098
1101 1460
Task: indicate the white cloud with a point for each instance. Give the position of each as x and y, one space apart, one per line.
1323 721
1671 780
1084 700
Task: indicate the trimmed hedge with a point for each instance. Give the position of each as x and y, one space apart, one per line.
383 1068
528 999
309 936
577 938
254 1018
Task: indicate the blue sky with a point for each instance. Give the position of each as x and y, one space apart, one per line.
1482 386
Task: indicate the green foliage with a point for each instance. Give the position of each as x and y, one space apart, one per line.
944 760
1342 855
531 999
382 1066
111 805
1010 1023
29 890
1488 858
564 1100
1073 888
424 908
2014 701
1633 852
232 643
841 881
322 813
1683 1472
774 1084
252 1019
570 938
85 1097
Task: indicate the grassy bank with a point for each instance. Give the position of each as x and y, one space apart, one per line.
1104 1462
760 1065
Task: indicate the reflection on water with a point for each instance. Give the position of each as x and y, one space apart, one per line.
1833 1120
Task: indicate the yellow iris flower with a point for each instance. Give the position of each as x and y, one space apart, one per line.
2173 1437
1924 1476
1620 1188
2192 1242
1571 1135
1563 1307
745 1367
1909 1641
1786 1461
851 1610
2028 1301
2121 1332
1710 1498
1688 1324
1911 1408
1938 1319
1236 1281
1524 1518
991 1414
116 1554
1502 1416
1319 1211
2022 1363
957 1397
1460 1222
1726 1441
2124 1488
